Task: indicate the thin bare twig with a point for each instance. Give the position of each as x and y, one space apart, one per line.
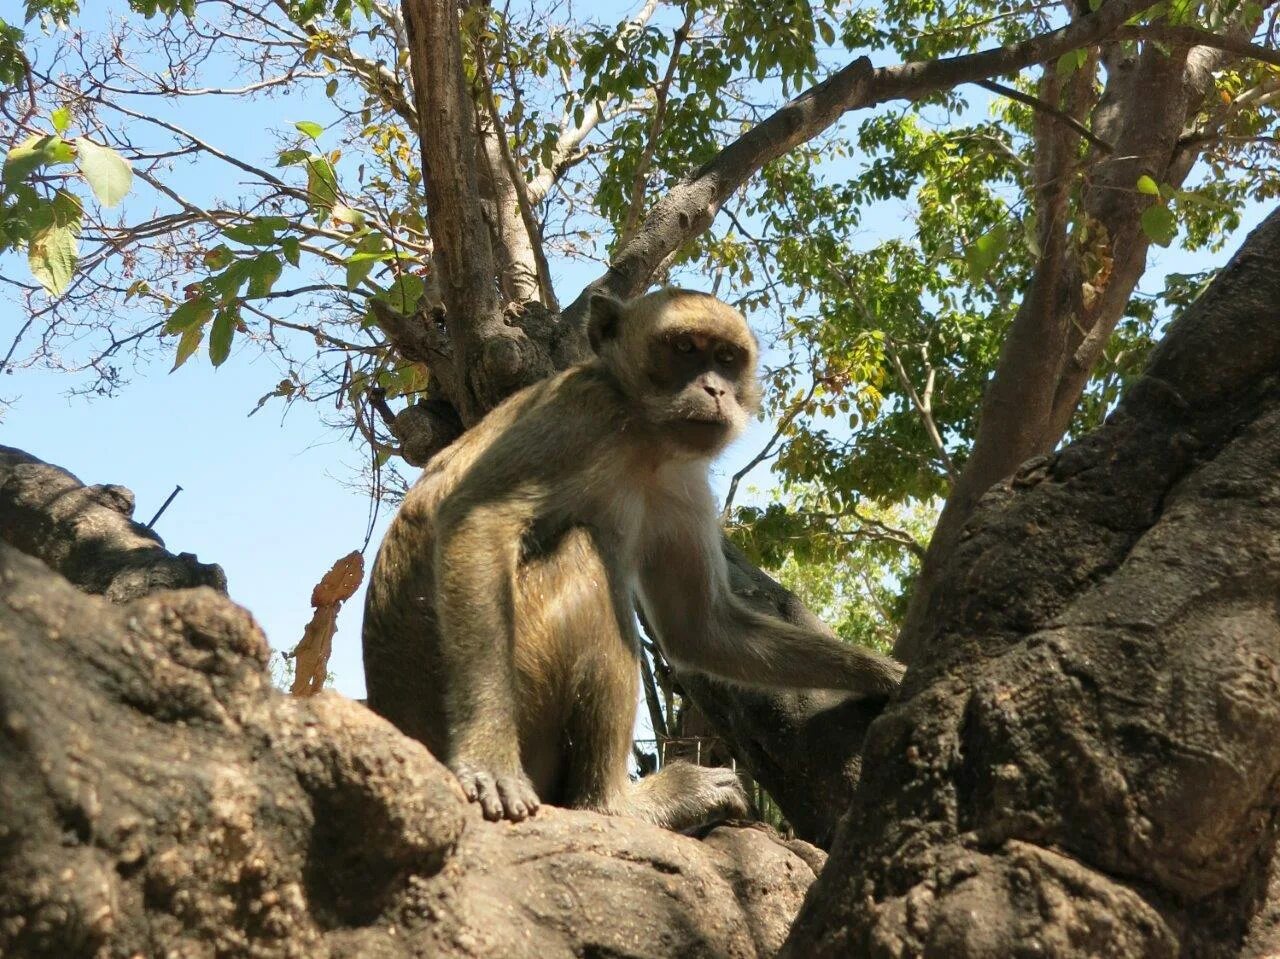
923 402
1037 104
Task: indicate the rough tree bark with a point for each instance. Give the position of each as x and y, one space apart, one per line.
1093 258
159 798
1086 757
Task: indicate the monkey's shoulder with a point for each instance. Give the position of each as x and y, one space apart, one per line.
545 434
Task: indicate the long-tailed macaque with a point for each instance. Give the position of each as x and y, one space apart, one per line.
499 623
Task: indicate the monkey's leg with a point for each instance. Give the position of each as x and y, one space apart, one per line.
679 796
475 566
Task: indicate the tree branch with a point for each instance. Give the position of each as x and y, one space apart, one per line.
689 208
519 186
493 358
1195 37
1037 104
639 180
924 406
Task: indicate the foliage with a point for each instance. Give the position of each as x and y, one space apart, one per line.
884 260
850 568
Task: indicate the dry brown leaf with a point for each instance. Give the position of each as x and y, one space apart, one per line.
311 656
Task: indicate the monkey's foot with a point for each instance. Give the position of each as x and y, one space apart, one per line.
681 796
502 794
721 790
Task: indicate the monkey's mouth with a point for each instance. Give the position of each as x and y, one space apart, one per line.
706 419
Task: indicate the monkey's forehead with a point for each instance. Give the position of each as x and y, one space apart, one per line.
689 311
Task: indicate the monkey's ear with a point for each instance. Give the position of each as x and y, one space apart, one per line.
604 318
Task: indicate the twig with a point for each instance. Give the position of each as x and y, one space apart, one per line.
924 406
1037 104
766 450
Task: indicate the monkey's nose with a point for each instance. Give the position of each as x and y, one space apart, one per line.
714 391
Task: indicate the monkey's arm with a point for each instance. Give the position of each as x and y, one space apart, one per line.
703 626
475 563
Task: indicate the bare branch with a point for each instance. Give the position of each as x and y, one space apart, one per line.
534 235
640 178
1037 104
923 402
767 449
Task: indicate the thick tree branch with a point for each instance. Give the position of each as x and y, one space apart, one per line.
87 533
493 358
1080 292
689 208
1095 721
1185 36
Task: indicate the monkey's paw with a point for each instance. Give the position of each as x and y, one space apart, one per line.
502 794
723 794
684 796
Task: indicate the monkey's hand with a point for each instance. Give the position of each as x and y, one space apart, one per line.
501 793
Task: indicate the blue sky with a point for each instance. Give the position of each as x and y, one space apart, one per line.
263 496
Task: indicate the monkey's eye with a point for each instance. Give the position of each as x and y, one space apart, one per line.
682 344
726 356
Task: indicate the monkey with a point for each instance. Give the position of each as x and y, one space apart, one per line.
499 622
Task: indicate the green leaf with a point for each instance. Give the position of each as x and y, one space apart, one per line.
322 186
61 119
292 157
403 295
344 214
1148 186
218 257
187 345
67 210
983 252
331 88
52 253
310 129
52 246
291 248
229 281
33 153
827 32
259 231
1159 225
1031 233
190 314
1070 62
106 170
361 263
220 335
263 274
1192 198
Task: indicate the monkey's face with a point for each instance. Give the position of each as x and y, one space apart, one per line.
686 360
696 380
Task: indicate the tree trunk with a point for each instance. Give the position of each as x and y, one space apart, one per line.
1086 755
158 797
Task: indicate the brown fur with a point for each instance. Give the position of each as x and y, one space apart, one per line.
498 625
